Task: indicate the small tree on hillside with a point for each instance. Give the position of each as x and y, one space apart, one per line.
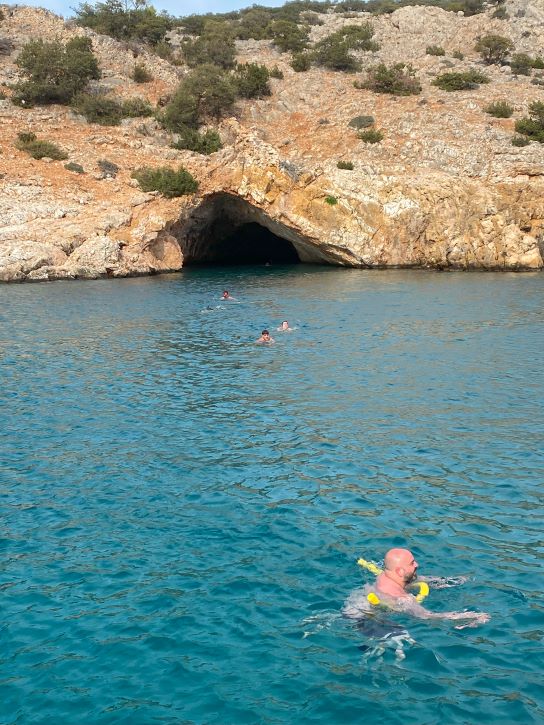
334 51
287 36
251 80
56 72
493 48
215 45
521 64
207 92
253 24
398 79
124 20
533 126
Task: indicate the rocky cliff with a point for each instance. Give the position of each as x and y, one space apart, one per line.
445 188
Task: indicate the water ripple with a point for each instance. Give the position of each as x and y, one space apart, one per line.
182 509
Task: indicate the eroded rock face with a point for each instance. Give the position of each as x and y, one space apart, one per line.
420 221
445 189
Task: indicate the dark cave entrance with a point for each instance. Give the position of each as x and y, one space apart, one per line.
250 243
227 230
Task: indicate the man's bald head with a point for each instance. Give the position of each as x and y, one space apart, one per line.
400 564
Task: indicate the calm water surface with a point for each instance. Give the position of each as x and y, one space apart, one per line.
181 510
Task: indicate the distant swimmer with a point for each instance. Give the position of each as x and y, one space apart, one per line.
226 295
265 337
391 589
284 327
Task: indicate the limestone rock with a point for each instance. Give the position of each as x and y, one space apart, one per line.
444 189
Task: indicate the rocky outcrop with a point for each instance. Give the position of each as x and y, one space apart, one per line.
445 188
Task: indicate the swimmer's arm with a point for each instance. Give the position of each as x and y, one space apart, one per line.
443 582
472 618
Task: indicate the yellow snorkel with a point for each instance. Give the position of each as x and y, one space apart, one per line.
373 569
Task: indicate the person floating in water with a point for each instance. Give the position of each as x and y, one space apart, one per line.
265 337
284 327
391 589
226 295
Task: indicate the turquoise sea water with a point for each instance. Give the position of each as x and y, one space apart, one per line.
181 509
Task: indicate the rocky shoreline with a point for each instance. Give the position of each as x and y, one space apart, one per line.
444 190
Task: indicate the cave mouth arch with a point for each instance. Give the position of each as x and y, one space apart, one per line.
225 229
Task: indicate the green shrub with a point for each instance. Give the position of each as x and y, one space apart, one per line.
331 200
372 135
136 107
359 122
460 81
520 141
275 72
140 74
202 143
163 50
521 64
39 149
287 36
500 13
168 182
207 92
55 72
124 20
457 54
76 168
251 80
334 51
499 109
293 11
435 50
26 137
533 125
493 48
398 79
254 24
346 165
215 45
301 62
181 111
335 55
468 7
538 62
108 168
98 109
193 24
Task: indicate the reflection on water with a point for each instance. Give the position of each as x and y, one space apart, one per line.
180 507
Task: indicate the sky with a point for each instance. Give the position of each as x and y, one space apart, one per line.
182 7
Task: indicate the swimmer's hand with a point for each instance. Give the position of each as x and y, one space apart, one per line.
476 618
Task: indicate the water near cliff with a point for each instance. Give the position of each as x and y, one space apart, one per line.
182 509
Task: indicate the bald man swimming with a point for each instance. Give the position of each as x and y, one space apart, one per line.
400 570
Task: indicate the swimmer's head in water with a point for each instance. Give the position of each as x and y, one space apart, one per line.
265 334
225 293
285 325
401 565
